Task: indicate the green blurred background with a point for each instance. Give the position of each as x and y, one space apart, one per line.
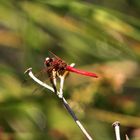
102 36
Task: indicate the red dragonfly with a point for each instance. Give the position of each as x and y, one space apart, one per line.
59 66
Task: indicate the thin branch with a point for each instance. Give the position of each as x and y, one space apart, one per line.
116 126
29 71
76 119
62 79
54 77
126 137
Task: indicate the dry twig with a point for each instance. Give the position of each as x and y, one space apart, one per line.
60 96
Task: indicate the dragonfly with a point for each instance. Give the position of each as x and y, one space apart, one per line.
55 67
60 66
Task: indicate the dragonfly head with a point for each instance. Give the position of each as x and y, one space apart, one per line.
48 61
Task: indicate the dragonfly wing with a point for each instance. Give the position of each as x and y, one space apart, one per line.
54 55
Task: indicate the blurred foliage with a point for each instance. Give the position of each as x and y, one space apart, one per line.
101 36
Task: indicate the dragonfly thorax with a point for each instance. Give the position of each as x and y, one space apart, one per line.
55 64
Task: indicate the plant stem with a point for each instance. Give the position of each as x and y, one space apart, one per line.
70 111
76 119
116 126
126 137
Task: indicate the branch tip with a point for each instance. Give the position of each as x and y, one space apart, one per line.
117 123
28 70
